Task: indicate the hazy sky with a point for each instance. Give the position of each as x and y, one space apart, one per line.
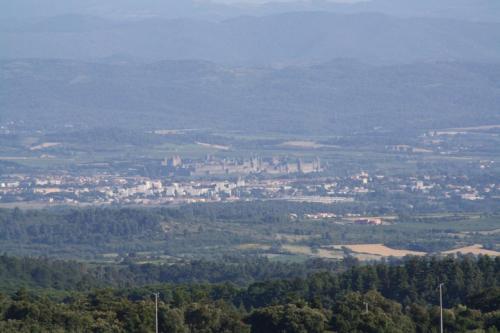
267 1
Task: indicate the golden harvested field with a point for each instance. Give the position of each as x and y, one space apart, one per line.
474 249
382 250
366 257
254 246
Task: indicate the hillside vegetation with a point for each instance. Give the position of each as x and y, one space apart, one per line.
400 297
336 97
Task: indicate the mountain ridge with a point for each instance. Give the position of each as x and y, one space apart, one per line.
282 39
340 96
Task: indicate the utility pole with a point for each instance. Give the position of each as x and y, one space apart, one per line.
366 307
157 295
441 305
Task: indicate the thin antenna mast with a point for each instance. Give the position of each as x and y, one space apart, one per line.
157 295
441 305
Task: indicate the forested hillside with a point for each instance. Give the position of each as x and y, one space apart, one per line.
44 273
336 97
214 230
376 298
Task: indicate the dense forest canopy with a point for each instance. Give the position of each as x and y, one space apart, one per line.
401 298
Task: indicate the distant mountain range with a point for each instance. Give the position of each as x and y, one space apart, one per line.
341 96
412 65
476 10
281 39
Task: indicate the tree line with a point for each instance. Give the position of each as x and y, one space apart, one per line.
45 273
381 297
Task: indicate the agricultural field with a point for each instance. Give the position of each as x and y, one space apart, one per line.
475 249
241 229
381 250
